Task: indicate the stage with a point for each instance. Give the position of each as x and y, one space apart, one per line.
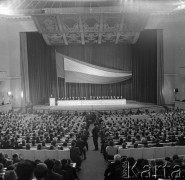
98 107
180 104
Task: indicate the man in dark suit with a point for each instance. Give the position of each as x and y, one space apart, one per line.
114 170
95 132
75 155
52 175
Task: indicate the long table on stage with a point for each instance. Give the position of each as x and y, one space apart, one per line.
180 104
5 107
91 102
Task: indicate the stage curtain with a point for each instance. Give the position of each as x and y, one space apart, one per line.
42 69
61 88
145 67
160 67
105 55
24 69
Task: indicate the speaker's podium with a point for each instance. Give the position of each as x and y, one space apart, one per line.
52 101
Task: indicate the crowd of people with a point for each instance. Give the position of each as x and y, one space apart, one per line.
140 129
116 129
53 131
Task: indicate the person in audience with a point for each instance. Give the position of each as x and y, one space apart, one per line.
120 142
3 160
124 146
41 171
158 144
111 150
15 158
39 147
10 175
1 171
81 145
114 170
135 145
51 175
57 168
75 155
71 172
25 169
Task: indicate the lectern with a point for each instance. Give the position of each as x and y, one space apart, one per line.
52 101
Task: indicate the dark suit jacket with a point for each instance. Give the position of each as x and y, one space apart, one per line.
75 154
113 171
53 176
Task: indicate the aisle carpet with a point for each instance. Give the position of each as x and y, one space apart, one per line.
94 166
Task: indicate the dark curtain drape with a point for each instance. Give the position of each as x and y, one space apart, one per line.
105 55
144 67
24 70
61 87
160 68
41 68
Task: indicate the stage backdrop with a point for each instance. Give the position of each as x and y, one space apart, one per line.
111 56
140 59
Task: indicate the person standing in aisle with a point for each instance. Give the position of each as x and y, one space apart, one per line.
95 132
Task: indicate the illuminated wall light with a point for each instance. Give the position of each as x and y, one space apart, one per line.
22 95
5 11
9 93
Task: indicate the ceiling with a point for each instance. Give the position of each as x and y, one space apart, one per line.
64 22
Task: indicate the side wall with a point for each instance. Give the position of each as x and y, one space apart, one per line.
10 57
174 54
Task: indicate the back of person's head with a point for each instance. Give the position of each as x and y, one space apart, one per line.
168 159
10 175
56 163
10 167
25 169
64 162
28 146
37 161
131 161
135 145
49 163
65 144
73 144
121 140
1 156
117 157
68 161
41 171
43 143
133 140
51 147
15 156
39 147
124 146
175 157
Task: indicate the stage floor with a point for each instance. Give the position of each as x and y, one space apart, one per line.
129 105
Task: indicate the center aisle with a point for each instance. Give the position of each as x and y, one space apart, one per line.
94 166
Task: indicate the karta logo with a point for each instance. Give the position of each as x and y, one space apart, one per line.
151 172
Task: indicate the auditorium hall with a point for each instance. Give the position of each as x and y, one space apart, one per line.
92 89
